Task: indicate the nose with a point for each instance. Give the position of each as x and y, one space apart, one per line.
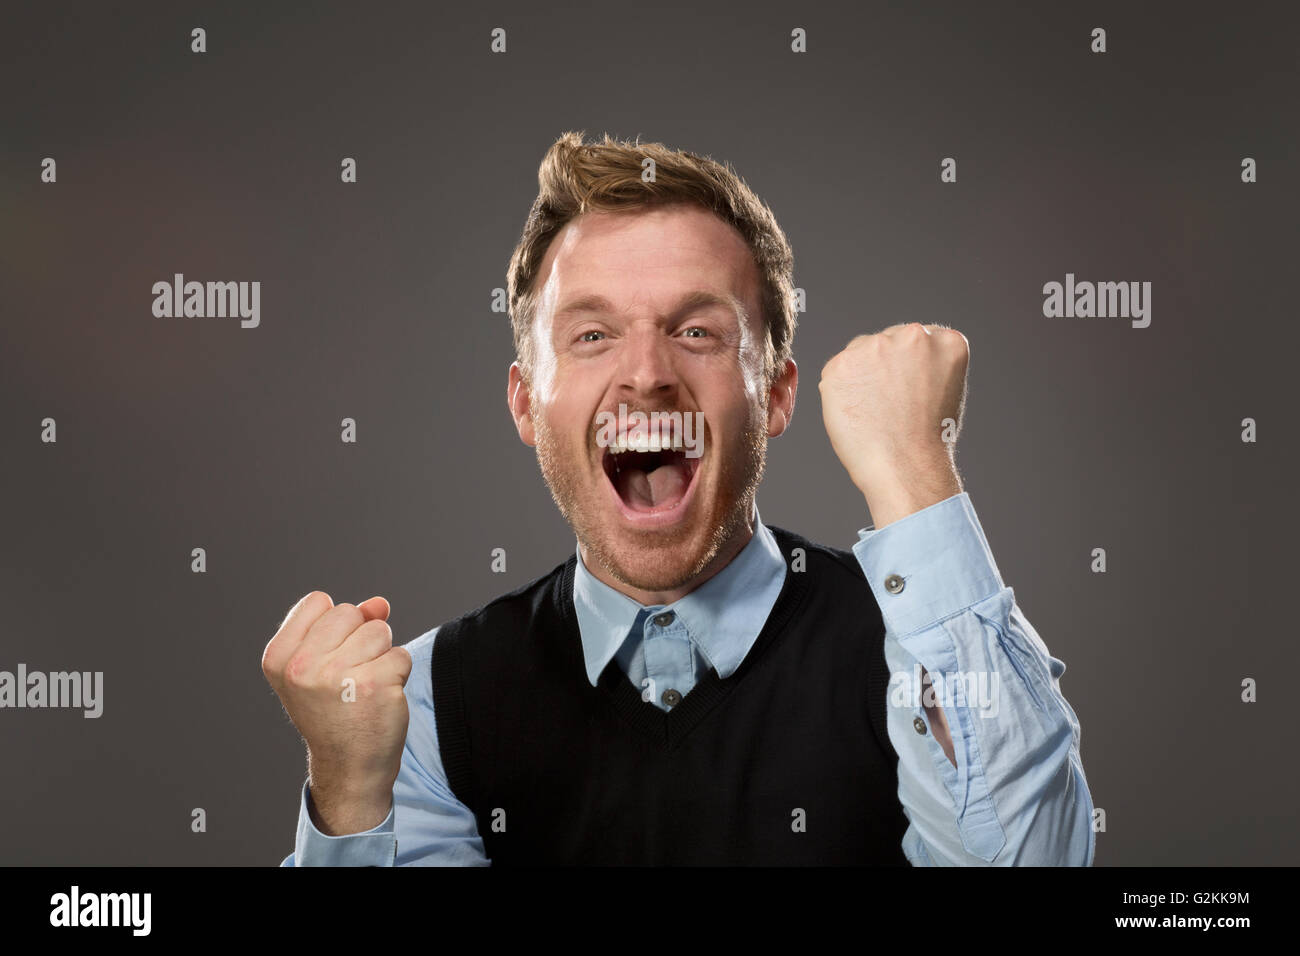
645 368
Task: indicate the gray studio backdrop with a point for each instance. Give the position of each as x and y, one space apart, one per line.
175 434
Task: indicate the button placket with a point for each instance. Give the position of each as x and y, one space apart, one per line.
669 656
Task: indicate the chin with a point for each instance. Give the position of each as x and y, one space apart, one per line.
660 563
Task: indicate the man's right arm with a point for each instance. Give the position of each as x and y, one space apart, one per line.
426 825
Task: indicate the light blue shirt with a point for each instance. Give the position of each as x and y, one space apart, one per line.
1017 796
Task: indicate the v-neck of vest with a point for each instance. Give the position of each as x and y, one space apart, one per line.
670 728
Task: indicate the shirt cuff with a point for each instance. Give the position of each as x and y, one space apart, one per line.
374 847
929 565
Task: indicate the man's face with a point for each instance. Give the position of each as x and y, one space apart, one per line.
616 324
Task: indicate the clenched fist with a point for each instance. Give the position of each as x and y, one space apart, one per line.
893 405
342 683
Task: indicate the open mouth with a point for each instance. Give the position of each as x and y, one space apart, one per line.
650 482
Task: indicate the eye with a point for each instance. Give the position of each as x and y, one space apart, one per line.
586 336
695 328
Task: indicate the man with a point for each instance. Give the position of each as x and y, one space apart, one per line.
692 686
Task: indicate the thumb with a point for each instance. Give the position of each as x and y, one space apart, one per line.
374 609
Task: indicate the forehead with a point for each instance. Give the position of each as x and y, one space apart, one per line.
647 257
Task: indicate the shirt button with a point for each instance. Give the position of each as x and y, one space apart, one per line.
671 697
919 724
664 619
893 584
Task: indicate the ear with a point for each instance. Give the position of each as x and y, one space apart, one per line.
780 404
519 400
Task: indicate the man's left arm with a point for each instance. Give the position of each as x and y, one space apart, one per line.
989 766
986 776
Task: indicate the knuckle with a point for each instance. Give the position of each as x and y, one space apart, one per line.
371 637
314 605
295 671
351 614
339 615
331 672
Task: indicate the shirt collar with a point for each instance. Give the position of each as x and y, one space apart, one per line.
723 616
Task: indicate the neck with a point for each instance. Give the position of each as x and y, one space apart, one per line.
724 556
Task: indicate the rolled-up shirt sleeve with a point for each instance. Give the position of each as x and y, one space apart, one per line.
1018 794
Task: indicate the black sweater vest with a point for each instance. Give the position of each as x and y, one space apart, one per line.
786 762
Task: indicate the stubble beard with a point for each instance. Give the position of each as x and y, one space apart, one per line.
655 560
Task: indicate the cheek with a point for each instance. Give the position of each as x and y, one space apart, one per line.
753 376
730 424
564 422
751 364
545 364
544 374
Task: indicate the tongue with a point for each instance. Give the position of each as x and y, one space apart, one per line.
661 487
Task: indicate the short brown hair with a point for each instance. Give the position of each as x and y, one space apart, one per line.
575 177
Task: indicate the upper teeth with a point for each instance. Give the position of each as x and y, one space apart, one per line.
642 442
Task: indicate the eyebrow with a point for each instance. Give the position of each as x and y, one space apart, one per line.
698 299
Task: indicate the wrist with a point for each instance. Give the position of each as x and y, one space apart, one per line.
335 814
898 495
346 801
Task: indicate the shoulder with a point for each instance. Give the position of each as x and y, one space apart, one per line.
522 600
497 618
835 562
